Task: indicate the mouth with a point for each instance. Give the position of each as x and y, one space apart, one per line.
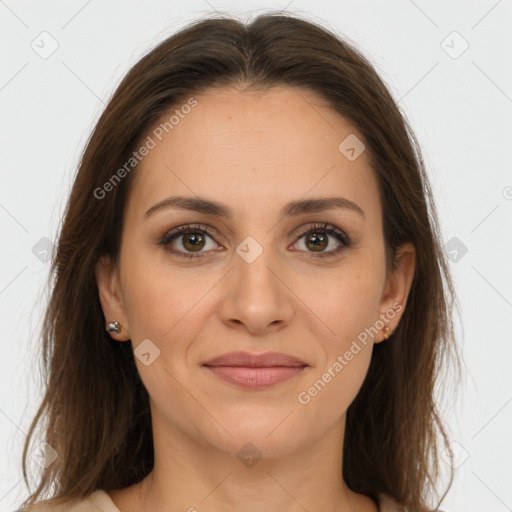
255 371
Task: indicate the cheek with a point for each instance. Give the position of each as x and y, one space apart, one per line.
161 299
352 308
350 312
350 303
326 397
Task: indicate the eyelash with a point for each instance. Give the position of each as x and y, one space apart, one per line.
323 228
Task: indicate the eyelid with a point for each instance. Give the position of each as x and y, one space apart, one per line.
327 228
174 233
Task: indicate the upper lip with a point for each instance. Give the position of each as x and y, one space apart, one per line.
246 359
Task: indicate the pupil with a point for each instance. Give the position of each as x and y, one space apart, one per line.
318 240
195 239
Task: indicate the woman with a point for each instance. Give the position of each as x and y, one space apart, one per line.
248 308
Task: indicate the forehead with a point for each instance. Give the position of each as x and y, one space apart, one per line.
253 146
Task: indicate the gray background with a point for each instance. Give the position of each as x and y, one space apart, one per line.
458 101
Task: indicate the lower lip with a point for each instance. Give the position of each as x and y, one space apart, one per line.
255 378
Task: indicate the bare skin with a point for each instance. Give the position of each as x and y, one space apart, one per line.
253 152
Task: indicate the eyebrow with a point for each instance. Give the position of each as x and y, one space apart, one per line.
294 208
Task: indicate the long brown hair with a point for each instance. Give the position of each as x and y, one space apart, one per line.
95 408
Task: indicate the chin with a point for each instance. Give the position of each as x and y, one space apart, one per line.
260 439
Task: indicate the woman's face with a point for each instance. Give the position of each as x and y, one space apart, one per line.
267 276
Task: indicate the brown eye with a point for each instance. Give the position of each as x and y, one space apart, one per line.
324 240
189 241
317 241
193 241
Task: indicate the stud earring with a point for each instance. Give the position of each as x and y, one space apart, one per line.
114 327
386 332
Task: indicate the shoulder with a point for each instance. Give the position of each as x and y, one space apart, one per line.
388 504
98 501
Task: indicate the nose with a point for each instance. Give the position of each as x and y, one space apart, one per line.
256 296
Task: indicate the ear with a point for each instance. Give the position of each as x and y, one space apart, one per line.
108 282
396 290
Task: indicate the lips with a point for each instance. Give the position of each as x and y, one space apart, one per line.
255 371
266 360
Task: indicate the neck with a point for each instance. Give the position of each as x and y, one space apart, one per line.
190 476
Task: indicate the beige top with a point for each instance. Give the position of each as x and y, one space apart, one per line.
99 501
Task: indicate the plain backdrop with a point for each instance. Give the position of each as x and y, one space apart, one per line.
448 64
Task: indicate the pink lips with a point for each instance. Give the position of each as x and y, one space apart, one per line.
255 370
